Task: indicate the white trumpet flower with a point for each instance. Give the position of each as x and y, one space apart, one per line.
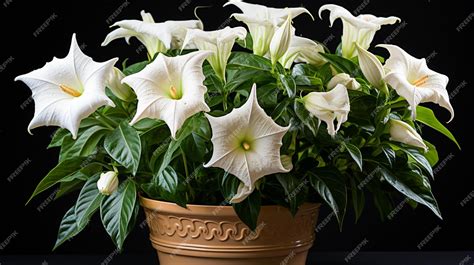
263 21
402 132
170 89
360 29
218 41
371 67
156 37
247 144
329 106
68 90
414 81
343 79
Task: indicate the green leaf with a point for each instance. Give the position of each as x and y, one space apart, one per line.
303 114
432 154
68 228
343 65
427 117
295 190
168 180
229 186
88 201
58 137
355 153
389 154
249 209
68 187
59 173
248 60
414 186
124 146
358 199
117 210
86 143
331 187
420 160
288 84
135 68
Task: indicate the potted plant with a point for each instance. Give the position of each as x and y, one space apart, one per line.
230 153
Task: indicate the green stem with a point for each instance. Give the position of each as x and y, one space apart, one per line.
107 122
185 163
224 101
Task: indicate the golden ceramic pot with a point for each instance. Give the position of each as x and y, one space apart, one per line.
214 235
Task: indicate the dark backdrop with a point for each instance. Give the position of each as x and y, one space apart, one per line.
439 30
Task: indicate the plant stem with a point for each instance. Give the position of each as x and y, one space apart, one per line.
185 163
107 122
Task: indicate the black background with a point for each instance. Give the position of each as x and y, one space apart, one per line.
430 31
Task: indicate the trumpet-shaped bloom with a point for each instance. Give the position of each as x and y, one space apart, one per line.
329 106
263 21
170 89
413 80
68 90
247 144
219 41
156 37
360 29
402 132
114 82
371 67
343 79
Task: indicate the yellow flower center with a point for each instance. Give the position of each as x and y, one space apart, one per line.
421 81
70 91
174 93
245 146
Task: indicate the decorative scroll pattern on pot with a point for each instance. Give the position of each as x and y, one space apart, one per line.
205 229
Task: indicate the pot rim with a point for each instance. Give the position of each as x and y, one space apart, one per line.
164 206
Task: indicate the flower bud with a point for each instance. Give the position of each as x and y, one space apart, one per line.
108 182
281 40
402 132
345 80
122 91
371 67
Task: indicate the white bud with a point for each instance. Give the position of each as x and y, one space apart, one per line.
402 132
343 79
281 40
108 182
122 91
371 67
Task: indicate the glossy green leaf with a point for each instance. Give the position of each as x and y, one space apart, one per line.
432 154
168 179
342 64
331 187
414 186
249 209
68 228
249 61
288 84
124 146
427 117
59 173
58 137
117 210
88 201
355 153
